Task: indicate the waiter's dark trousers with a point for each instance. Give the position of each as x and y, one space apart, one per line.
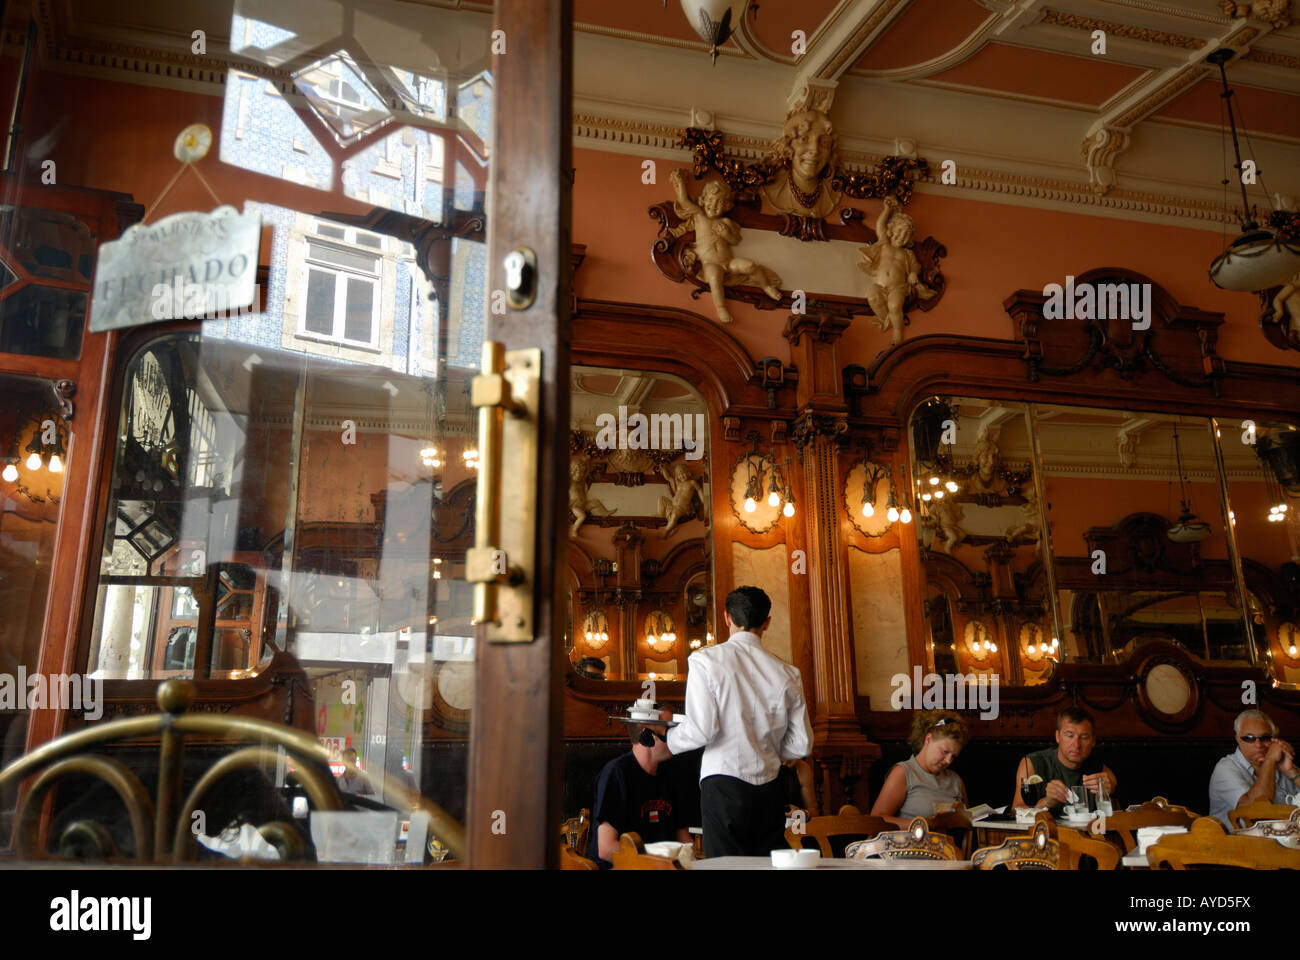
740 819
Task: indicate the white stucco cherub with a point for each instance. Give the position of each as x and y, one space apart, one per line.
1287 304
893 268
579 502
714 235
678 506
947 515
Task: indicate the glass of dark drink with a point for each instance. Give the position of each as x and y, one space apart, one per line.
1031 793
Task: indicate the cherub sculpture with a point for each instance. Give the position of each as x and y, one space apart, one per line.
678 506
714 235
986 461
1028 525
1287 304
893 268
947 515
582 505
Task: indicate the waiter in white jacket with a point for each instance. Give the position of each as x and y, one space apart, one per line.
746 708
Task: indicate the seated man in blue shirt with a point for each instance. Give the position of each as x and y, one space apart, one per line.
634 795
1262 767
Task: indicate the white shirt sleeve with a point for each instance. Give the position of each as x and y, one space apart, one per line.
702 720
797 742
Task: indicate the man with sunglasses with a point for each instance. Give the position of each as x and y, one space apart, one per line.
634 794
1262 767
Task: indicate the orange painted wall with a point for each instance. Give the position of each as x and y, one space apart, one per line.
993 250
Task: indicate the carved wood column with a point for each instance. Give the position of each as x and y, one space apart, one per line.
843 753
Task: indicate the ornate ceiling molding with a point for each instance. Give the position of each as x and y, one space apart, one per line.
1128 31
591 130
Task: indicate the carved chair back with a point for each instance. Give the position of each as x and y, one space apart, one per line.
1246 815
1157 812
576 830
854 826
1207 844
914 843
956 824
1038 851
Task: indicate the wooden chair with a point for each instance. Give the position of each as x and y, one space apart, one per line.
914 843
576 831
1076 845
571 861
1246 815
1038 851
630 855
1207 844
955 822
1158 812
853 826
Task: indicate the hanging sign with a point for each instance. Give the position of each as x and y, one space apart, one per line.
185 266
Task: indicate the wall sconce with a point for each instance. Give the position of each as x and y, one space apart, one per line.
894 512
46 449
429 457
760 490
978 642
471 458
660 632
1034 647
595 629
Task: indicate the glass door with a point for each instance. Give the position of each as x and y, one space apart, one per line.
356 478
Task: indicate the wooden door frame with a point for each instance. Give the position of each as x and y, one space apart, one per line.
516 733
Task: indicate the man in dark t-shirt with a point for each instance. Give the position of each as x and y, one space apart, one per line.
1071 764
635 794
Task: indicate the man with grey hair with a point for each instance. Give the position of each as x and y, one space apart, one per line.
1262 767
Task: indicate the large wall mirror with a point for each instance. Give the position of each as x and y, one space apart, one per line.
1071 534
640 570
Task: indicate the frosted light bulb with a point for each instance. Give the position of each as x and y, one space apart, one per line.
1031 649
10 473
892 514
56 464
34 462
905 515
750 505
1291 651
868 509
789 509
774 499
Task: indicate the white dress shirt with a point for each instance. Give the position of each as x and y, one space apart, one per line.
746 708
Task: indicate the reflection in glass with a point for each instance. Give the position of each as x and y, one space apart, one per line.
639 560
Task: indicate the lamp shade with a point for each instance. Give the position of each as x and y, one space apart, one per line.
1189 528
1256 260
714 20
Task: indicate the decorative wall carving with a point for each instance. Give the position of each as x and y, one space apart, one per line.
1180 343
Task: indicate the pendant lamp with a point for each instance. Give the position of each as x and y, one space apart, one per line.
1259 258
714 20
1189 528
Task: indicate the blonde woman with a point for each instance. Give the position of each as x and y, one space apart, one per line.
914 786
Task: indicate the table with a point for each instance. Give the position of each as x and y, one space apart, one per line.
765 863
